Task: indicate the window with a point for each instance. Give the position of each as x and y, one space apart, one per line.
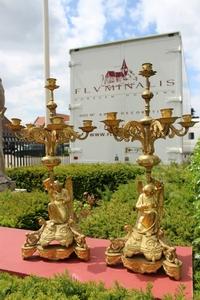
191 135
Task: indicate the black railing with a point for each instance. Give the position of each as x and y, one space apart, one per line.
18 153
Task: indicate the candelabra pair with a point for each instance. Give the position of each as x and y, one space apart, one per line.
143 249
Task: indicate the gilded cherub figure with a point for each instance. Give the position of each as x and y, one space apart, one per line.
60 206
148 206
60 227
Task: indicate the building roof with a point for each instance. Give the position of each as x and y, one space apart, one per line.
5 127
40 121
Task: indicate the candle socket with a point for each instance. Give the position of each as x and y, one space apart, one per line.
187 118
166 112
147 67
111 116
57 120
87 123
16 121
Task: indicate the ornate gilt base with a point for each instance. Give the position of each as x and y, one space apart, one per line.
139 264
113 258
82 253
55 252
58 237
28 251
173 270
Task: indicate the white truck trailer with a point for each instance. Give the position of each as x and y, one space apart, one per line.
105 78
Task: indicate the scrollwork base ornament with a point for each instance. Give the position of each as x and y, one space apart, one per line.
143 249
58 237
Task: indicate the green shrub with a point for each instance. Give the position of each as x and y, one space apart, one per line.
22 210
195 170
195 184
109 218
86 177
28 178
178 219
63 287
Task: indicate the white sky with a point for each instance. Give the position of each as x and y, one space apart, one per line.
76 23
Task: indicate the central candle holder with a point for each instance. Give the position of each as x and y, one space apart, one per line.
143 249
58 237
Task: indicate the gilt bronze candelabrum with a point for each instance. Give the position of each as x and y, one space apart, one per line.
58 237
143 249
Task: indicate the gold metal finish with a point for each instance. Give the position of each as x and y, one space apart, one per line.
143 249
58 237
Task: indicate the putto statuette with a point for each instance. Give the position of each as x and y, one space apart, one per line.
144 249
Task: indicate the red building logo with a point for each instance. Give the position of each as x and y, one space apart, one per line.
118 76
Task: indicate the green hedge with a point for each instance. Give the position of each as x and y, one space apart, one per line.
195 170
86 177
195 184
109 217
62 287
116 209
22 210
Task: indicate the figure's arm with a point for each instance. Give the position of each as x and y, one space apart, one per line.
140 205
48 185
139 187
69 195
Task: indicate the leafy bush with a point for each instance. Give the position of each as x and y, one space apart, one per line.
196 265
195 170
22 210
178 220
28 178
86 177
63 287
195 184
109 218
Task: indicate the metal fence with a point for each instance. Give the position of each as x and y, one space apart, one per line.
18 153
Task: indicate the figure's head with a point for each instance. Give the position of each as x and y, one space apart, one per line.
149 189
57 186
85 194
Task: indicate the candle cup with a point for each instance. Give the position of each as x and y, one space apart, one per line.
15 121
51 81
147 67
166 112
87 123
51 84
70 126
111 116
57 120
187 118
111 123
29 125
147 70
